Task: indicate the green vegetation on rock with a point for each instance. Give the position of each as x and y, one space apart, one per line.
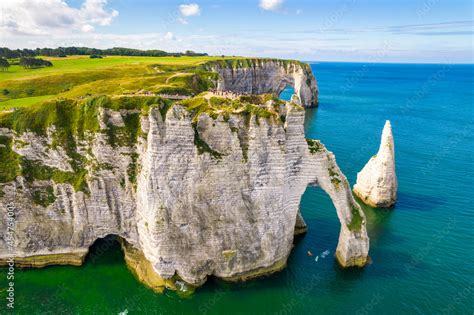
314 146
215 106
33 170
132 170
356 221
203 147
127 135
241 62
44 197
9 166
69 122
65 114
334 177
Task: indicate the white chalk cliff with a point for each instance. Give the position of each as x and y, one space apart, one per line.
190 197
377 181
259 76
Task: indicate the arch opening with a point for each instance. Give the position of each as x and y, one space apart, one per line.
287 92
353 245
322 227
106 250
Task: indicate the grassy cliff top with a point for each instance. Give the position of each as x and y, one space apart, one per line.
75 64
81 76
77 116
240 62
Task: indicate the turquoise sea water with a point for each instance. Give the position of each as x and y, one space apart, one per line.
422 251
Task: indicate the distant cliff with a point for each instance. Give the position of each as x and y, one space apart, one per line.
258 76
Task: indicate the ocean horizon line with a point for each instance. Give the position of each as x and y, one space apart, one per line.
389 62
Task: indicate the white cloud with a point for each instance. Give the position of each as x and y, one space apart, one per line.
299 11
271 5
169 36
183 21
343 46
87 28
191 9
41 17
94 12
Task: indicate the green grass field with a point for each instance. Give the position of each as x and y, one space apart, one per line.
23 102
73 64
77 76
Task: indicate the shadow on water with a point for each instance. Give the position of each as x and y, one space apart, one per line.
379 216
422 202
401 266
311 115
381 232
378 222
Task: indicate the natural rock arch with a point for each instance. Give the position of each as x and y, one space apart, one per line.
288 90
353 245
192 214
208 226
258 76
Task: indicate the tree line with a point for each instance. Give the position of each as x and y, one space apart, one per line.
66 51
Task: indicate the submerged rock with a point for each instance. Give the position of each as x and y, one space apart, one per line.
377 182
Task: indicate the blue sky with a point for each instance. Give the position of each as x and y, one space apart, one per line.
337 30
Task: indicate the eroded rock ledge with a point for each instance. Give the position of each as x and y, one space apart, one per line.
195 189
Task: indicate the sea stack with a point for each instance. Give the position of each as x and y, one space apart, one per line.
377 182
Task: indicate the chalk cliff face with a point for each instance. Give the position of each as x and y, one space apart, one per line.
189 194
258 76
229 212
54 222
377 182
